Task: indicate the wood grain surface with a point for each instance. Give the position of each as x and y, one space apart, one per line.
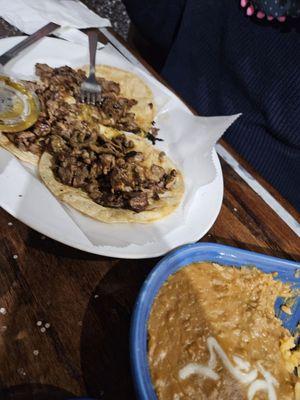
65 314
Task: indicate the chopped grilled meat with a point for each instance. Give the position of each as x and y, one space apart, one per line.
26 137
93 190
134 156
80 177
116 112
109 86
95 170
66 174
35 148
58 91
138 201
110 171
108 161
32 86
66 79
170 179
120 162
26 141
112 200
156 173
139 174
120 180
41 128
58 144
43 71
73 173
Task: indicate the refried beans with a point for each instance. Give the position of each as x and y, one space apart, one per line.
213 335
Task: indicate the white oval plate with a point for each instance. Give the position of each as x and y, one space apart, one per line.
24 197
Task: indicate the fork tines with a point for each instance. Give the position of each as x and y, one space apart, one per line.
90 93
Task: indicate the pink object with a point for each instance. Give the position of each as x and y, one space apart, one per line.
260 15
250 10
282 19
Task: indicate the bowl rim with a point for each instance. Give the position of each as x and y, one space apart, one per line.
168 265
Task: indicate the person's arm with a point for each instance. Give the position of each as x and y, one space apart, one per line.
156 20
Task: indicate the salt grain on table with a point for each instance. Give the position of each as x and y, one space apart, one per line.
10 224
39 323
35 352
2 311
21 371
15 256
47 325
43 330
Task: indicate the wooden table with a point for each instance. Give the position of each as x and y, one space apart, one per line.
65 314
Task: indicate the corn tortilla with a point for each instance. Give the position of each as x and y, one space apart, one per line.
80 200
26 156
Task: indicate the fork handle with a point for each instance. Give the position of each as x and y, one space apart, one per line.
93 40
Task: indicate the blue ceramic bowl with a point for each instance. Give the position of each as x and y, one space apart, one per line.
175 260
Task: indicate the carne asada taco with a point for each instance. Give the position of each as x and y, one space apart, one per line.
113 177
131 87
127 104
19 152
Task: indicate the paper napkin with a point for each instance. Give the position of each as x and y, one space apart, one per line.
30 15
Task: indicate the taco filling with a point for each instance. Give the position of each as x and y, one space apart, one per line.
110 171
112 176
58 90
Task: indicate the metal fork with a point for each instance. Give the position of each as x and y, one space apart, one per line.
90 90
